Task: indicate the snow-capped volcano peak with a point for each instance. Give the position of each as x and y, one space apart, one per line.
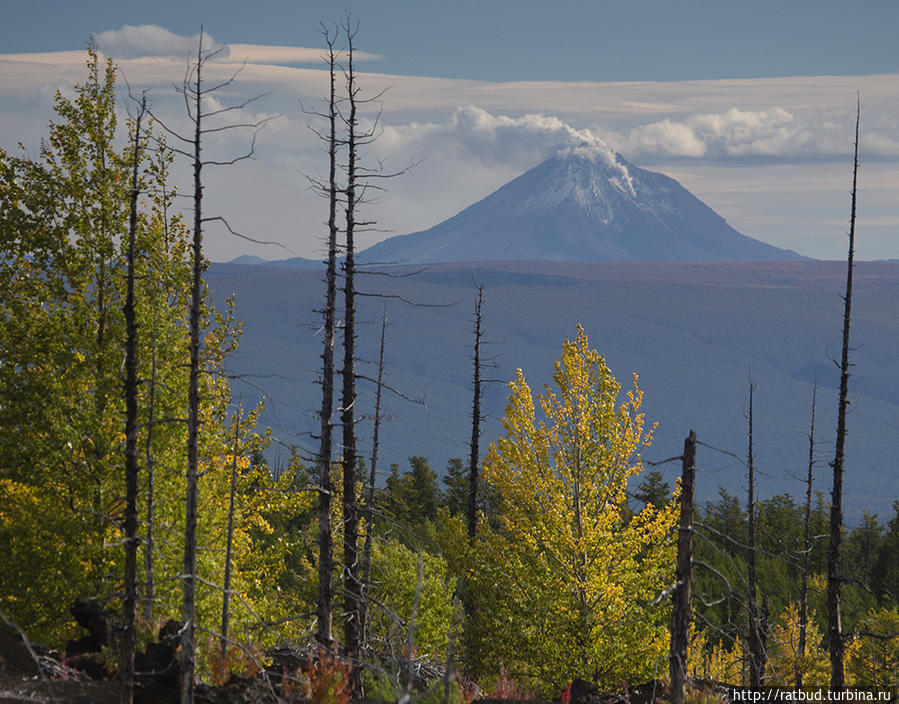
583 160
593 176
586 203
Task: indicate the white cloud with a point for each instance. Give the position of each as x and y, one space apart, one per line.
150 40
134 41
774 133
49 57
736 132
664 138
477 135
734 136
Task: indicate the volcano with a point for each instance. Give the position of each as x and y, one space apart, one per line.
586 204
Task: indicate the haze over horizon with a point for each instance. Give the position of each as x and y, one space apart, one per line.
750 108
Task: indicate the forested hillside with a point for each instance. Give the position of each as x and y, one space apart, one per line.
542 567
694 332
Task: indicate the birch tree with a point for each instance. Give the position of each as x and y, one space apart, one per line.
566 587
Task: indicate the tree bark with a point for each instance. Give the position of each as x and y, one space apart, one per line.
474 458
834 577
370 497
348 401
226 587
149 561
188 605
151 489
131 464
325 543
756 656
682 609
803 589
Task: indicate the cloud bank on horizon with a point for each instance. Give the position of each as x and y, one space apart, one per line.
472 136
772 133
135 41
148 40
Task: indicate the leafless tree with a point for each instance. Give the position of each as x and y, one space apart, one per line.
194 90
681 598
474 458
370 495
807 547
353 194
130 393
342 136
150 464
149 589
834 577
331 191
756 655
229 540
188 606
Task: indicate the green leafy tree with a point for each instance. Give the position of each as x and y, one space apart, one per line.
408 504
885 572
874 655
62 217
862 548
456 485
457 490
653 490
395 580
780 543
567 587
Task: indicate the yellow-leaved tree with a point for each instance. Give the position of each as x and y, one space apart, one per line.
784 660
568 585
63 216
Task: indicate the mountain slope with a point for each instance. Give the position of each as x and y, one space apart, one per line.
584 204
693 332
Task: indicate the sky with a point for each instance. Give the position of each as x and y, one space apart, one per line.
751 106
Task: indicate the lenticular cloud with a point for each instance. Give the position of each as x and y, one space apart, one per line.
135 41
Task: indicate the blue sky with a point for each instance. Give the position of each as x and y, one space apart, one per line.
509 40
748 104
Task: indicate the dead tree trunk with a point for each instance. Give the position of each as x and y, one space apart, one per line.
131 465
474 458
229 540
756 657
472 630
348 401
150 466
357 182
834 625
325 541
188 605
682 611
194 93
803 589
370 496
151 480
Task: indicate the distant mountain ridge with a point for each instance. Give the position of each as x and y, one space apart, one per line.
293 262
584 204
